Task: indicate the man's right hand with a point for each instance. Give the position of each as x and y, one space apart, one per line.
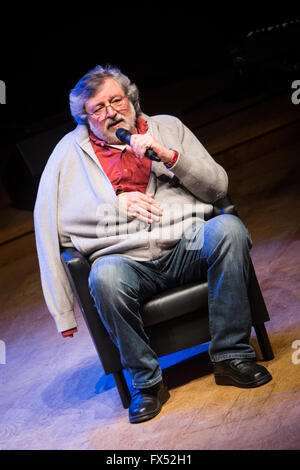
140 205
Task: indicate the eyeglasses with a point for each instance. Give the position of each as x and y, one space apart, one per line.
117 103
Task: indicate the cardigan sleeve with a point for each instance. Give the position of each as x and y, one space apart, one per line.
56 288
195 167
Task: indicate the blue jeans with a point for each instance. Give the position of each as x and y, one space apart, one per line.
218 252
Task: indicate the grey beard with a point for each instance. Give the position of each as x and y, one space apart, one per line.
109 136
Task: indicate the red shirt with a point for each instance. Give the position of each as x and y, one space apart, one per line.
123 169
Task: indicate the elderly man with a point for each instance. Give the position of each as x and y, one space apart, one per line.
145 227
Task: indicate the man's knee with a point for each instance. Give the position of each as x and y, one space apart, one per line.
231 228
108 274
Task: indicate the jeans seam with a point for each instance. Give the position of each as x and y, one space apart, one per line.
148 383
224 356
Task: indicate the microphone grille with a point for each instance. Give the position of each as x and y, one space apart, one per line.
122 134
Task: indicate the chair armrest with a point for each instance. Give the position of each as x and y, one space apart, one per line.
71 256
77 269
224 206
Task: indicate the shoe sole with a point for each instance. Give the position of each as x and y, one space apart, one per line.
229 380
146 417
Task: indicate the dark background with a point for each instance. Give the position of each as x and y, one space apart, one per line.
43 56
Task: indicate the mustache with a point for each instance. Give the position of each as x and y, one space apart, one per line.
111 121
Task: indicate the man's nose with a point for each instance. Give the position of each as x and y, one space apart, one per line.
110 111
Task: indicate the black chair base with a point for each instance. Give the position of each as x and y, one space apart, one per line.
122 388
264 342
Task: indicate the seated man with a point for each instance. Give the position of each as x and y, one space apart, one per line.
145 227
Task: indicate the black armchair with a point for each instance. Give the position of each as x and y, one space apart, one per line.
174 320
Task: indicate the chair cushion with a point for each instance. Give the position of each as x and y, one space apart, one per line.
175 303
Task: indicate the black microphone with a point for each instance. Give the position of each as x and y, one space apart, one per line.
124 136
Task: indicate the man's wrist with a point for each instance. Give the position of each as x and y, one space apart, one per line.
172 160
166 156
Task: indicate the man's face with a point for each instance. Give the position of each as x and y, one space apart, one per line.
113 110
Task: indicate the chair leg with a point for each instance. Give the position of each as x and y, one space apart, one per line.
122 388
263 341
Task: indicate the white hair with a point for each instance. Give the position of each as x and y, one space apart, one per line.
89 84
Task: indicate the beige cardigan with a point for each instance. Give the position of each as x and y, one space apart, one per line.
76 206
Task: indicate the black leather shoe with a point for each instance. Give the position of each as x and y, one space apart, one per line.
146 403
243 373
